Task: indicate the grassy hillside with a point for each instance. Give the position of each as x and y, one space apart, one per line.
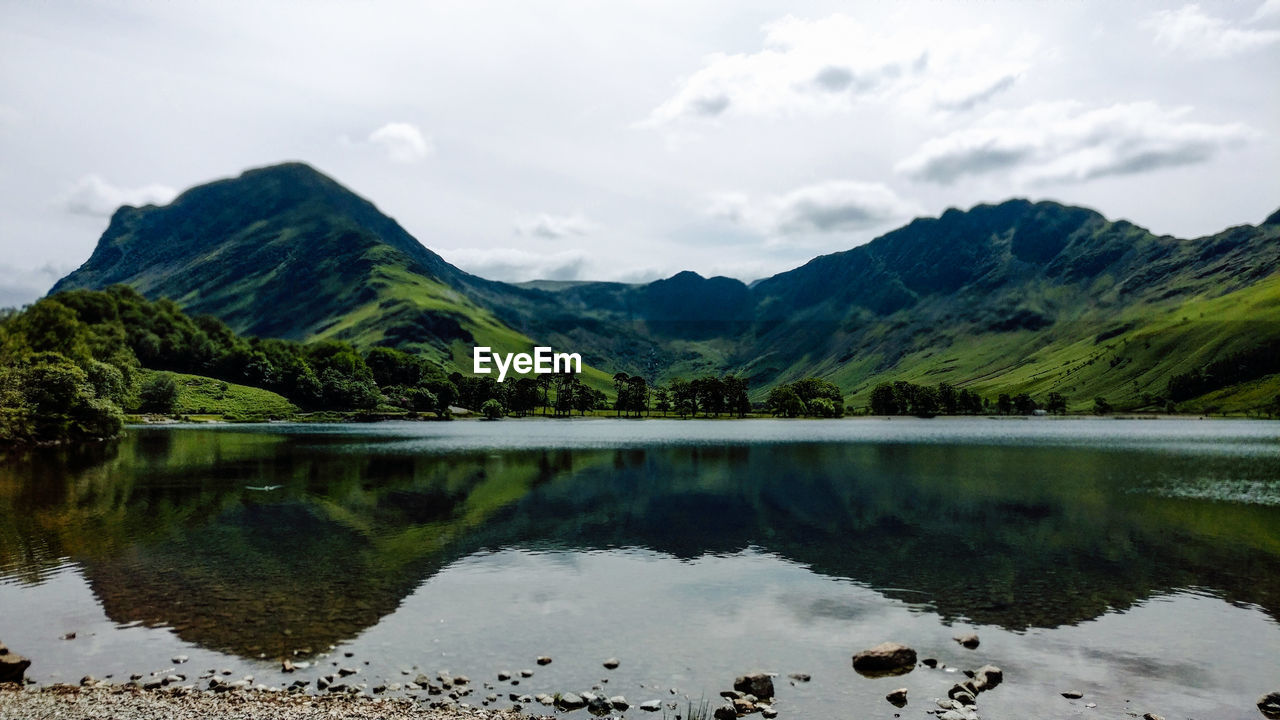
203 396
1131 368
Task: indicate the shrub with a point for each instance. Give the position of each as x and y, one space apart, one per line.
492 410
159 394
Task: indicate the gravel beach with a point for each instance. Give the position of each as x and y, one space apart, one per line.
123 702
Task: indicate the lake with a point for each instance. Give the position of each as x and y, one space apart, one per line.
1137 561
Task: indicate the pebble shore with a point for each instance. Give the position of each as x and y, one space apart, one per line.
124 702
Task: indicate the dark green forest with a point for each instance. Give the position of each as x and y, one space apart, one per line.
72 364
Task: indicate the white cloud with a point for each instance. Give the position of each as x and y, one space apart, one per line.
1067 142
20 286
92 195
402 142
835 62
516 265
1267 10
1190 30
836 206
555 227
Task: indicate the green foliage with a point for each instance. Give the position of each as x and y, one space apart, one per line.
158 394
1056 404
70 364
1239 367
492 410
785 402
1101 406
108 381
48 398
904 398
710 395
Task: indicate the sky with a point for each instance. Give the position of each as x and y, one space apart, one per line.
629 141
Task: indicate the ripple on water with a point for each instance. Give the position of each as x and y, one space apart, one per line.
1249 492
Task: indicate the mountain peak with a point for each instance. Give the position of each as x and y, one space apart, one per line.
287 225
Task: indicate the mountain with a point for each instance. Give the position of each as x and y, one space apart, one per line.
1016 297
285 251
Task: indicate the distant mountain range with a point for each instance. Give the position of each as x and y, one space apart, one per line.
1016 297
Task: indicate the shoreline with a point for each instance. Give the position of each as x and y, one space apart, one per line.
355 418
103 701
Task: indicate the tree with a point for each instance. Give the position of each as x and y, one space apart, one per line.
620 391
1024 405
392 367
661 399
108 381
785 402
710 393
1101 406
1056 403
634 397
544 384
684 397
970 402
823 407
585 398
737 401
1004 404
158 394
422 400
926 401
812 388
949 399
525 396
492 410
883 400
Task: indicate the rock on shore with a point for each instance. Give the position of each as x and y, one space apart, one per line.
1269 705
887 658
13 667
758 684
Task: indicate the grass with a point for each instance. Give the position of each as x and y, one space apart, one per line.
203 398
1156 344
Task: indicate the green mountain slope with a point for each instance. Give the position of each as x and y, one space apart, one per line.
1019 296
285 251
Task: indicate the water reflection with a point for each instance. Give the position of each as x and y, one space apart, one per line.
168 532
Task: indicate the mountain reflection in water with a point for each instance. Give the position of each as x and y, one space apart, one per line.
169 534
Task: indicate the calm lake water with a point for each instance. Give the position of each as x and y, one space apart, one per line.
1136 561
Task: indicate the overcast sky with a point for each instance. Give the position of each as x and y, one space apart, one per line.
612 140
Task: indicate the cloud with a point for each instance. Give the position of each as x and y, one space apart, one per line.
829 207
833 63
1067 142
92 195
1190 30
21 286
1267 10
971 92
402 142
516 265
555 227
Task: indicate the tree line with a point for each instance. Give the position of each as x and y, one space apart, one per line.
904 398
1236 368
